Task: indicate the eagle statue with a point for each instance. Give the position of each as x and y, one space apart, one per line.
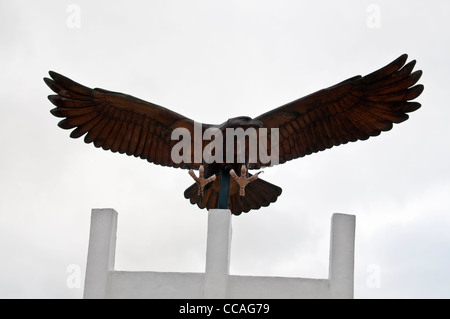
355 109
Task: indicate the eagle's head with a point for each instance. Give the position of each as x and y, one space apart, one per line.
244 122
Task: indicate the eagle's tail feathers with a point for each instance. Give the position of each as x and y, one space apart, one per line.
258 193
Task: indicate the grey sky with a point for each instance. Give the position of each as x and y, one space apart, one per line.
198 57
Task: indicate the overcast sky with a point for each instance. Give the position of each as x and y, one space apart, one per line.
243 58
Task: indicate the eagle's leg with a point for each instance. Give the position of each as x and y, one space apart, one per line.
201 180
243 180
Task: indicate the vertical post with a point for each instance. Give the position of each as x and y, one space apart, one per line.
342 253
224 188
101 252
218 248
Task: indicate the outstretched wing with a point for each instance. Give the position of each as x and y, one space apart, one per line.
352 110
118 122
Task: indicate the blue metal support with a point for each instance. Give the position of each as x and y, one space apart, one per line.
224 188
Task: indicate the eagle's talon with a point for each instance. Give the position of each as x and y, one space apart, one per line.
243 180
201 181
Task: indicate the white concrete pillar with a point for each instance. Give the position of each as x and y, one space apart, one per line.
218 248
342 253
101 252
102 281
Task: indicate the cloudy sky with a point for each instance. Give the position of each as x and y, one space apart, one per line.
244 58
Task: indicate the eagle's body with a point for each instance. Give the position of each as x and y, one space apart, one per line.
258 193
352 110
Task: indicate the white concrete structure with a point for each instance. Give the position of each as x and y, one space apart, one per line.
103 281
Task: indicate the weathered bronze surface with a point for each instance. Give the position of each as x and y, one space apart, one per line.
352 110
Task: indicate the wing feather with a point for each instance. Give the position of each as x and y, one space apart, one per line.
71 122
142 139
95 131
66 112
103 136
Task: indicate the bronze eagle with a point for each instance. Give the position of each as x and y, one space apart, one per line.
355 109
